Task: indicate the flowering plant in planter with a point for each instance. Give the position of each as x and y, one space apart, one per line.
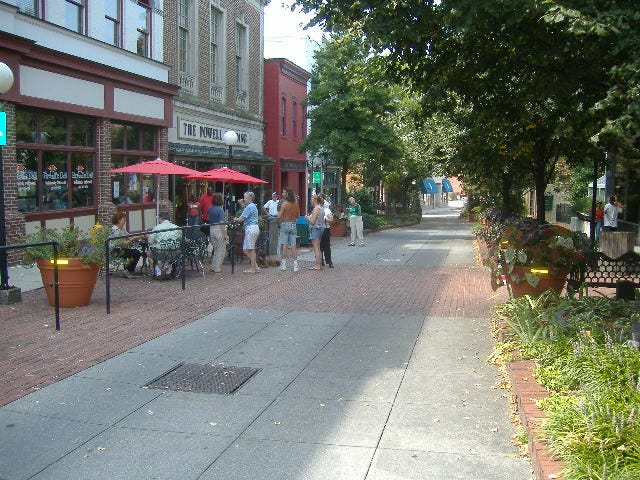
72 243
540 246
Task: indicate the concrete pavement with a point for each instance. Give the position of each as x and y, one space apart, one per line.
373 370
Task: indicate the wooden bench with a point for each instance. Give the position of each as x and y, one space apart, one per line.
599 270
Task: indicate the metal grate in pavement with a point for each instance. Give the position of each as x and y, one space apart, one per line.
193 377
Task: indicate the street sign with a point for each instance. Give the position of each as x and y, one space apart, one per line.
317 177
3 128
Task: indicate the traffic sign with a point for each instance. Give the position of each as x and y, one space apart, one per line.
317 177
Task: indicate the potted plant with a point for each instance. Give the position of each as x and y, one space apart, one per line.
80 256
538 256
338 227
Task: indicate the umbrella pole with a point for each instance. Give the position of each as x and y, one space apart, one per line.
157 198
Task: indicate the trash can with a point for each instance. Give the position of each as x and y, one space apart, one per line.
302 228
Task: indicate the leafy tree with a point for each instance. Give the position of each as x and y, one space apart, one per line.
527 84
349 105
616 25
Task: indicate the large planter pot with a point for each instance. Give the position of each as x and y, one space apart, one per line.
76 280
553 278
338 229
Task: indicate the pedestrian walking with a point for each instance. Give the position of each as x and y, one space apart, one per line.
287 216
217 233
325 241
355 222
316 225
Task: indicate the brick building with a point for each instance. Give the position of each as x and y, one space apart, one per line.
215 52
90 93
285 90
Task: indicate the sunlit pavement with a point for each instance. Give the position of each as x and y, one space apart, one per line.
372 370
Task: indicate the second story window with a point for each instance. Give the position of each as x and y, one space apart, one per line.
241 64
283 117
30 7
304 122
184 15
215 27
142 18
216 75
294 120
74 15
112 22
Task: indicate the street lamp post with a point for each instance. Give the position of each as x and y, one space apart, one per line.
6 82
230 139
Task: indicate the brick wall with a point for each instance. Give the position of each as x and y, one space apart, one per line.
103 140
13 220
233 9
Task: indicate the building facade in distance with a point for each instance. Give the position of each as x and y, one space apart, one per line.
285 91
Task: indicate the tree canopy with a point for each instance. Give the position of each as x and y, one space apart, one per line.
533 77
349 107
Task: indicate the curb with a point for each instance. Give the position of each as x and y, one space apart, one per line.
527 392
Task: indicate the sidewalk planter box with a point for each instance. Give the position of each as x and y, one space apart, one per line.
614 244
76 280
523 280
338 228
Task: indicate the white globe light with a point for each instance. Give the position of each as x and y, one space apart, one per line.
230 138
6 78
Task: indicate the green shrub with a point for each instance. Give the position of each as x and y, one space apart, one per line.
371 221
582 357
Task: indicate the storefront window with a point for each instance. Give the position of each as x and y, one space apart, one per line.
136 143
54 131
27 180
26 127
55 181
60 175
148 138
82 180
117 136
81 132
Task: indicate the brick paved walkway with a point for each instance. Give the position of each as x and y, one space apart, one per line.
33 354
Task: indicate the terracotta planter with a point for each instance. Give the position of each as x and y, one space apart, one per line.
553 278
338 229
76 280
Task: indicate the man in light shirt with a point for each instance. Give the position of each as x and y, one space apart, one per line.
271 207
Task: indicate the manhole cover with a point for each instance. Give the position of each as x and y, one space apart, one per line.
193 377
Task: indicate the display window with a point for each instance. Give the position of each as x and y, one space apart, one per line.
131 144
55 156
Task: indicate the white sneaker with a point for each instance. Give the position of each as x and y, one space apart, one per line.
296 268
283 266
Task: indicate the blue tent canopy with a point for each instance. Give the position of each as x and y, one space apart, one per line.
446 186
429 186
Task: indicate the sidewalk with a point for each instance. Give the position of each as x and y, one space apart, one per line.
372 370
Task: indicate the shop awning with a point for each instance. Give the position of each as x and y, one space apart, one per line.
429 186
217 152
446 186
